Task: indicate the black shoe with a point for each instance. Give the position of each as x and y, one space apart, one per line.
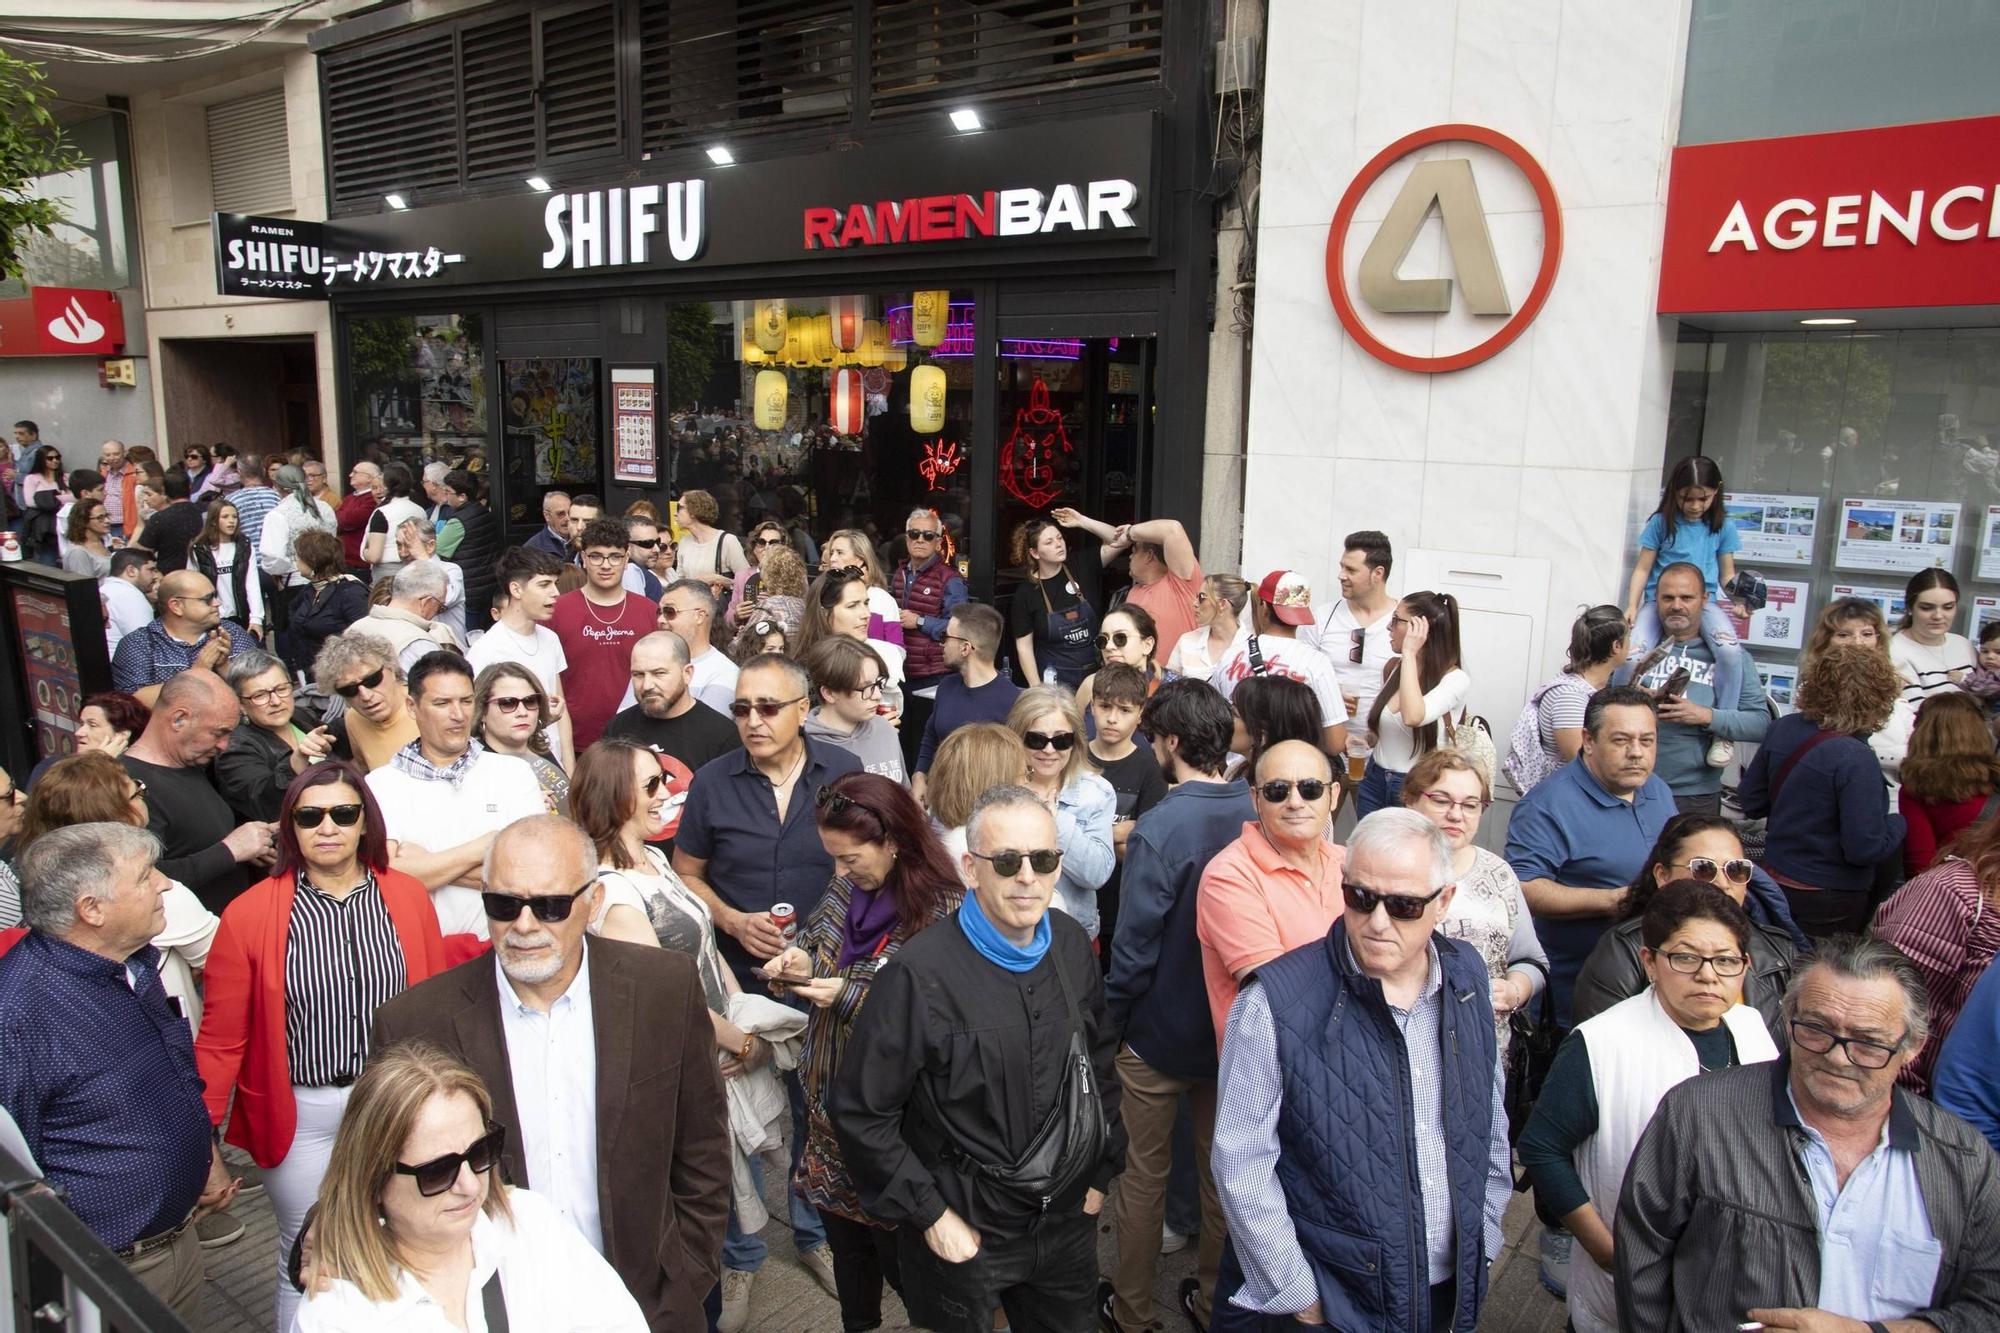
1106 1321
1190 1289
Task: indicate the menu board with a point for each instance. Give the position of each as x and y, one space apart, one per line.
1774 529
49 669
1781 623
635 440
1905 535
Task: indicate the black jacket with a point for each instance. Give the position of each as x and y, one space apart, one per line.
202 560
318 613
1613 973
253 773
475 555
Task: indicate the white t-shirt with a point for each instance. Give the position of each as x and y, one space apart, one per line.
126 610
386 519
542 654
1396 743
1334 636
1294 658
1927 671
714 681
434 815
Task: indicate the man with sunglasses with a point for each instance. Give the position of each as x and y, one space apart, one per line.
689 609
929 588
188 632
1353 631
600 1057
642 548
597 625
374 720
1361 1110
981 1026
1813 1193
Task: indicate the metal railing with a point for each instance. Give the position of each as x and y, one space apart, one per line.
54 1274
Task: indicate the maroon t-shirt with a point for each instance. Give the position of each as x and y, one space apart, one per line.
598 641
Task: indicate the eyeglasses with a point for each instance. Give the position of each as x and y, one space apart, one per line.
1441 802
604 557
668 611
312 816
1117 638
764 708
873 687
1044 860
1705 868
835 804
1399 906
371 681
1039 740
548 908
1861 1054
440 1173
1356 641
923 534
763 542
259 698
1278 790
514 703
1725 964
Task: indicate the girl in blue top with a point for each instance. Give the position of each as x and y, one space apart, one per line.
1691 526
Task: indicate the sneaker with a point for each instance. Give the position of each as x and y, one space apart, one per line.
1171 1241
819 1262
1190 1292
735 1300
1720 753
249 1179
217 1230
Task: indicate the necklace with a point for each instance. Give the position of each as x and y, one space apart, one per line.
531 645
617 614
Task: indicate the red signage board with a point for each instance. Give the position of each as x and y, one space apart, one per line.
62 321
1861 219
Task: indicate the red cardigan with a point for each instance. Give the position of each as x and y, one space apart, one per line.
241 1046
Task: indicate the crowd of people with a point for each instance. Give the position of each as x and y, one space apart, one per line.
526 918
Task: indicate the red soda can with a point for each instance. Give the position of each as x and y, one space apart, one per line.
786 918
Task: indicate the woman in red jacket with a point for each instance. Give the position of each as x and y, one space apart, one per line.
293 981
1950 777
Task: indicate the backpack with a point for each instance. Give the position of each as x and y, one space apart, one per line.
1527 762
1474 739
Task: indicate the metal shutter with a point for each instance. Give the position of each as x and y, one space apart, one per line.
713 67
391 119
927 54
499 60
249 154
579 86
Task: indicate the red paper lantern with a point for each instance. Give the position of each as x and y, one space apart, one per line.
850 402
848 316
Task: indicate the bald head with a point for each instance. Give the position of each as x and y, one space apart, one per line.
541 854
1295 820
188 604
192 718
1293 759
662 646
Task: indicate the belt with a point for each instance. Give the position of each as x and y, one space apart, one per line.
139 1248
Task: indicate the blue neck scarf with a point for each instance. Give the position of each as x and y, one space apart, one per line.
996 948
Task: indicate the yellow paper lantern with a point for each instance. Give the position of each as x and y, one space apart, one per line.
927 388
768 324
930 315
895 359
874 342
822 340
793 352
771 392
753 355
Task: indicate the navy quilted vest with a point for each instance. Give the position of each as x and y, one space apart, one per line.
1346 1133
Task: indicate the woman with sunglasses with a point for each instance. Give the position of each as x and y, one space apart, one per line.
1050 724
511 716
1488 911
1128 636
275 742
43 480
1611 1073
748 581
300 965
331 600
361 672
837 606
415 1228
196 464
891 879
848 677
1422 688
1218 617
220 555
1703 848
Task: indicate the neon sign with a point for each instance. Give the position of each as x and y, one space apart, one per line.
1028 459
959 342
939 460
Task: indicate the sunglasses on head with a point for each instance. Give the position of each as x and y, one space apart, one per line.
312 816
1400 907
835 804
440 1173
548 908
1116 638
764 708
514 703
836 584
368 682
1278 790
1044 860
1039 740
1705 868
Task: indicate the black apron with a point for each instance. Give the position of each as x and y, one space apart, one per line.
1066 646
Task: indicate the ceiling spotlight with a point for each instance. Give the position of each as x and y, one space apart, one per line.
539 184
721 156
1828 322
965 120
396 201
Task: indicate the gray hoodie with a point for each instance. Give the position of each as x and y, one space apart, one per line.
875 743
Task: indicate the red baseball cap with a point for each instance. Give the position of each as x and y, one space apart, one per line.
1288 595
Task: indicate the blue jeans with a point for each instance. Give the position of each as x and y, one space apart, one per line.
745 1252
1379 789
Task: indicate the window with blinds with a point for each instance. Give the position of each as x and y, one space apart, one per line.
249 154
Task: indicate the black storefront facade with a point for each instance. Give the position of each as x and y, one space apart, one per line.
760 329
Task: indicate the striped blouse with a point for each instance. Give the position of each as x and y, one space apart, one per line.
342 962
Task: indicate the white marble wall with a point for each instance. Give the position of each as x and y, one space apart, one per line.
1553 447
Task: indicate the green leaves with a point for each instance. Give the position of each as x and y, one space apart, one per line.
32 145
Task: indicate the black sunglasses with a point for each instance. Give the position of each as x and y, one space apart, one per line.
652 545
1036 740
836 581
368 682
1399 906
1357 640
1278 790
1116 637
548 908
741 708
1008 864
440 1173
835 804
922 535
312 816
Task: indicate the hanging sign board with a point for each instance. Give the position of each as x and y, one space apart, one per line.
634 425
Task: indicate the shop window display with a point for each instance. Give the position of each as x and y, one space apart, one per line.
550 420
418 387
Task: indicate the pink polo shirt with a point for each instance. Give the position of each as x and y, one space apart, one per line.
1254 905
1170 601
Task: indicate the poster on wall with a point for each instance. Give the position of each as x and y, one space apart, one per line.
1774 529
635 442
1989 545
1906 535
1781 622
551 419
1889 599
1985 610
1779 682
49 668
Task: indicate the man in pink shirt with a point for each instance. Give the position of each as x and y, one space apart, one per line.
1165 573
1278 886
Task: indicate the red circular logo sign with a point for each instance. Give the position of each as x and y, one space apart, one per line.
1545 277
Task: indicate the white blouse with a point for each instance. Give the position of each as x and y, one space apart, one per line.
1396 742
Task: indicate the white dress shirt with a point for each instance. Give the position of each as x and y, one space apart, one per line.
553 1058
126 610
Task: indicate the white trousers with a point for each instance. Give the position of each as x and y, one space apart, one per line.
293 1184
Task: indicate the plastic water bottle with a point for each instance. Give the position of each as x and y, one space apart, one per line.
1556 1245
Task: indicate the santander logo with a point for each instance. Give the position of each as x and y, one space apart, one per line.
75 325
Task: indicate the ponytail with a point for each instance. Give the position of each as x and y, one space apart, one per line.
1594 636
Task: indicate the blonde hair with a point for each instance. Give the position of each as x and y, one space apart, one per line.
1848 688
1040 699
862 546
781 573
350 1237
1434 765
969 761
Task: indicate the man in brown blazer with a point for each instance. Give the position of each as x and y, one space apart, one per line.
601 1061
